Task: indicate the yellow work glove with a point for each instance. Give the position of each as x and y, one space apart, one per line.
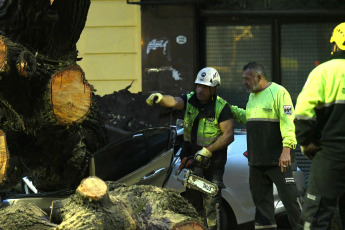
154 98
203 154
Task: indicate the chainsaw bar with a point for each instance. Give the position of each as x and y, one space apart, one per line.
198 183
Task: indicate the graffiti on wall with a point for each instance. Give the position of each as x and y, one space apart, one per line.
164 65
159 47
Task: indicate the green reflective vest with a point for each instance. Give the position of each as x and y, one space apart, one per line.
208 129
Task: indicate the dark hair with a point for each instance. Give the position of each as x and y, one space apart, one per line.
258 68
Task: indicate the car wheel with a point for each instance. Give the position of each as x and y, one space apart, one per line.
228 217
283 221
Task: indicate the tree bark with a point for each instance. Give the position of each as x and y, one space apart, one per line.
51 28
50 121
133 207
24 216
44 119
94 207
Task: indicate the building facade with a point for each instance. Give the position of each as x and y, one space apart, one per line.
110 46
159 45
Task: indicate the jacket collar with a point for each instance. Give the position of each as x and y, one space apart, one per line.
338 55
205 110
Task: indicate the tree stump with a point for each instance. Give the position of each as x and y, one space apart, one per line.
133 207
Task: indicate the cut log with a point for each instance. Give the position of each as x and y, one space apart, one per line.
158 208
15 56
52 125
10 170
3 55
47 111
133 207
91 208
92 188
3 157
24 216
70 95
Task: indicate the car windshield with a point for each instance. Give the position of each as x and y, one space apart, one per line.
125 156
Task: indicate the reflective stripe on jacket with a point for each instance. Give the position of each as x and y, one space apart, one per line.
269 118
320 107
208 129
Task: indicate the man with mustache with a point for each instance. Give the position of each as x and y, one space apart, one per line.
271 136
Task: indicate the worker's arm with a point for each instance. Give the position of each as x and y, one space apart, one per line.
311 96
165 101
239 114
287 128
172 102
227 128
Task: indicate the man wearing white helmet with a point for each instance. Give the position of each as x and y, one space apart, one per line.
320 130
208 130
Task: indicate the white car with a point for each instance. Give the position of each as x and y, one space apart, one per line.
239 205
150 157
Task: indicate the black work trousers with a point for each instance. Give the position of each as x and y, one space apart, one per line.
261 179
209 208
325 193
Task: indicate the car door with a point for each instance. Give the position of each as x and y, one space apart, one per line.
141 158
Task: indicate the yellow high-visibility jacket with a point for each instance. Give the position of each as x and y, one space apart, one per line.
320 107
269 118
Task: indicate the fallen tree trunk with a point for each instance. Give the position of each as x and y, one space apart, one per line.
133 207
50 122
48 116
94 207
24 216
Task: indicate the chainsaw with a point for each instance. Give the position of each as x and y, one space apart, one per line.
186 175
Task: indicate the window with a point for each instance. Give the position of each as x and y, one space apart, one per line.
303 47
123 157
229 48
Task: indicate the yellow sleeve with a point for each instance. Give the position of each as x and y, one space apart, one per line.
311 96
286 117
239 114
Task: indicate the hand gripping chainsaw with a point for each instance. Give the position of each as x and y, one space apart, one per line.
186 174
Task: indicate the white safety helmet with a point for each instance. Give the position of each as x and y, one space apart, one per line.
208 76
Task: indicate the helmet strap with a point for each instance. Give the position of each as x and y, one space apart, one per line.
335 48
213 94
